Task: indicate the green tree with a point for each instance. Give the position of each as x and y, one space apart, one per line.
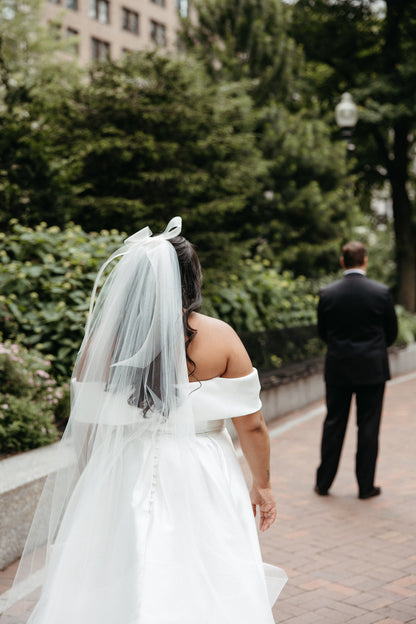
36 76
374 55
247 39
305 207
150 137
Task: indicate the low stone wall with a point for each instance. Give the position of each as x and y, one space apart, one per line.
293 387
21 482
22 477
402 361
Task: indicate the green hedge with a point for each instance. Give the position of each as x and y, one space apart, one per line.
407 326
257 297
30 400
46 277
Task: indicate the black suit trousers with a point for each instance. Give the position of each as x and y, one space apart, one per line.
369 399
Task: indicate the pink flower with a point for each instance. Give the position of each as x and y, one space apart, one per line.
42 373
4 406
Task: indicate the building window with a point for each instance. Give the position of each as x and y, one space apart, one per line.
8 9
161 3
55 30
100 50
130 21
72 4
182 8
158 33
180 45
100 10
73 45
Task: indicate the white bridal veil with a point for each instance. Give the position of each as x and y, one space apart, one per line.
129 387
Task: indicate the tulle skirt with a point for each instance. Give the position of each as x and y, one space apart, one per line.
161 534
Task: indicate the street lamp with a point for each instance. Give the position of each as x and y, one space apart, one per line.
346 116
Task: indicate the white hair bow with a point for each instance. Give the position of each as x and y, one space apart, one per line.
141 237
173 229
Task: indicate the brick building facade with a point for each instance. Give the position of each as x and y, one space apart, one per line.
111 28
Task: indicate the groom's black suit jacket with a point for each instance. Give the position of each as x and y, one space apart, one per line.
356 319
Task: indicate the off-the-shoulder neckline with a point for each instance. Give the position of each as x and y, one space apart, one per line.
224 378
254 371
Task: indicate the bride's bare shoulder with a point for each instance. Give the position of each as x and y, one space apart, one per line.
217 346
209 325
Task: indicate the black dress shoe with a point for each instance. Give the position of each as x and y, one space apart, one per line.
320 492
375 491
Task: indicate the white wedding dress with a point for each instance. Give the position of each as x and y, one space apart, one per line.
134 555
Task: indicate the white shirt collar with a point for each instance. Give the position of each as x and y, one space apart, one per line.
359 271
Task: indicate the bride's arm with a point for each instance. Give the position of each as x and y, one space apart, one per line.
253 436
218 352
255 444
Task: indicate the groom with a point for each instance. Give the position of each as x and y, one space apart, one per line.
356 319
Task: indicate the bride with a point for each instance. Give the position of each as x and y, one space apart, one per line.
147 519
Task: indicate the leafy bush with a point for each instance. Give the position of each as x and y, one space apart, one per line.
29 399
276 348
257 297
407 326
46 277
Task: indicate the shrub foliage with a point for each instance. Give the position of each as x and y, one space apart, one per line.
256 297
29 400
47 274
46 277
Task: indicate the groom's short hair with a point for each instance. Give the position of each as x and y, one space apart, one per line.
354 253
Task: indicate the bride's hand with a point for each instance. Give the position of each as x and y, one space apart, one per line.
264 498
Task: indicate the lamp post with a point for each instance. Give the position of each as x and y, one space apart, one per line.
346 116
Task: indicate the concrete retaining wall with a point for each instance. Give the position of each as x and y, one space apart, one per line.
296 386
22 477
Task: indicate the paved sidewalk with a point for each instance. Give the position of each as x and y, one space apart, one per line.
348 560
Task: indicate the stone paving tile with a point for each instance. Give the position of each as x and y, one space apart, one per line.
377 603
363 552
389 621
406 606
368 618
348 561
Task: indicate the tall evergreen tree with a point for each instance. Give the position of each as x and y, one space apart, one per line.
151 137
374 55
305 208
247 39
36 76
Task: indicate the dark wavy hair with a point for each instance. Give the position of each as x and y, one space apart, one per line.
191 278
